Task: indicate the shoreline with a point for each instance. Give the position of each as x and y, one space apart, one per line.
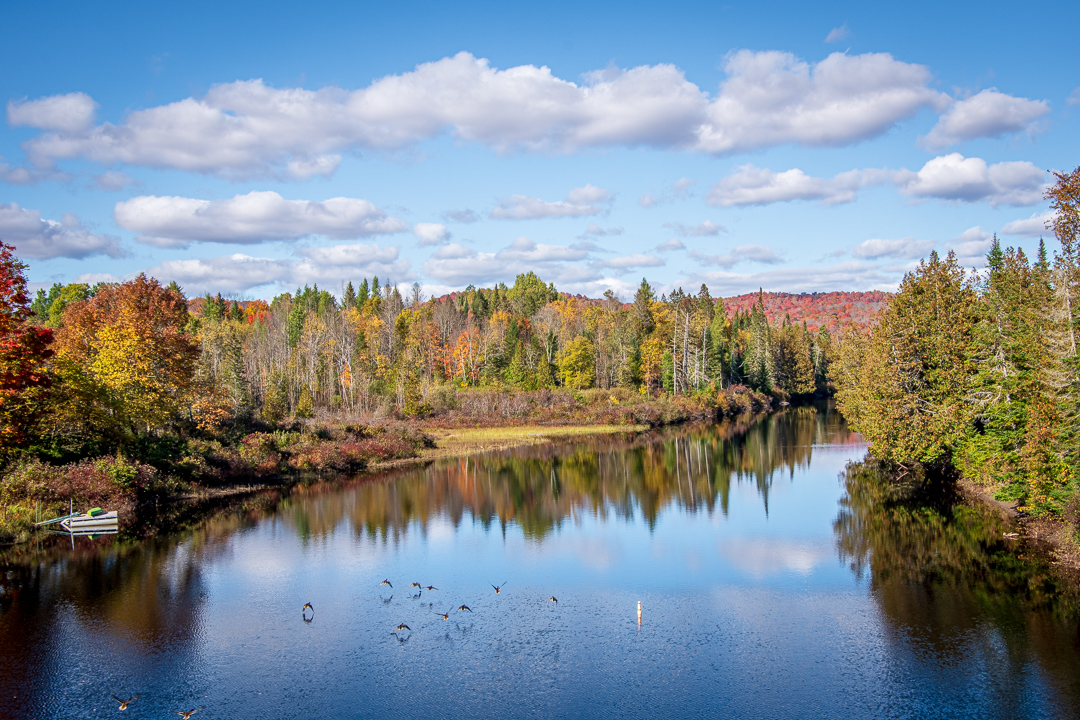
1046 536
458 443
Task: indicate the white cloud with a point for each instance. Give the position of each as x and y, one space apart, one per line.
457 265
737 255
971 247
751 185
636 260
253 218
988 114
21 175
679 190
849 275
41 239
954 177
1034 226
323 165
248 128
430 233
682 186
69 113
671 244
113 180
240 273
838 33
94 278
904 248
773 98
594 230
461 216
706 228
579 202
1074 98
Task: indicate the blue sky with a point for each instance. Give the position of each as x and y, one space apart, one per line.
253 148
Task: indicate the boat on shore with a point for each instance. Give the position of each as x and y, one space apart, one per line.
94 520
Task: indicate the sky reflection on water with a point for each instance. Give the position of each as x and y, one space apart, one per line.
769 589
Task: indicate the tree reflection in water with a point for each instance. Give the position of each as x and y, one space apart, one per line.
539 488
943 572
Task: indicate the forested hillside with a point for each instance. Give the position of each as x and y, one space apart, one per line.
831 310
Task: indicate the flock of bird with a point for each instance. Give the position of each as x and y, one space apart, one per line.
403 627
401 632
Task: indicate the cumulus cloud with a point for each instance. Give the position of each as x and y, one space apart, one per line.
461 216
327 266
594 230
987 114
671 244
971 246
774 98
954 177
430 233
635 260
169 221
752 185
22 175
71 113
1035 226
249 128
706 228
457 265
113 180
904 248
579 202
1074 98
42 239
838 33
739 254
947 177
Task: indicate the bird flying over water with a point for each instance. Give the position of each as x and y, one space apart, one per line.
186 714
430 587
553 599
463 608
445 615
387 582
416 585
401 627
498 588
307 606
124 703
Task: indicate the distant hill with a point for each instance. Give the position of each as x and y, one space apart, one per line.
832 310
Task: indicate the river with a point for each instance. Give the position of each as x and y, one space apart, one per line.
777 576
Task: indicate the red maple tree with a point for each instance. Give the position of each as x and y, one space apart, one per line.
24 350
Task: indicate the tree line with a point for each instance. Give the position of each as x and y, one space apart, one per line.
122 363
979 371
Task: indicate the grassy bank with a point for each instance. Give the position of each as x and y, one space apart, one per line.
237 456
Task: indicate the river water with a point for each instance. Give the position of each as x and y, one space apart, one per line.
777 578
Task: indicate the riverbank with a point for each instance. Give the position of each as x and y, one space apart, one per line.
240 460
1052 538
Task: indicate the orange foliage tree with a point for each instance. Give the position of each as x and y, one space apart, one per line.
126 348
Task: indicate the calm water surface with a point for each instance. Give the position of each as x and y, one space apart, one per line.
775 582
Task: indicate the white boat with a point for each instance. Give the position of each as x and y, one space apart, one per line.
96 519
